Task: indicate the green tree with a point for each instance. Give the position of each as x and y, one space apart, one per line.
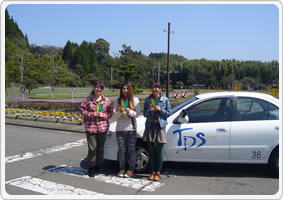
101 49
30 84
14 34
179 84
68 54
128 72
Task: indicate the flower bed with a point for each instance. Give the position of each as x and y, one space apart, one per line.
37 115
45 105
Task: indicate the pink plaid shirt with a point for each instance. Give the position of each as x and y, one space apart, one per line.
92 123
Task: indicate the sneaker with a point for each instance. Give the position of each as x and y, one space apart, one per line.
91 172
129 174
121 173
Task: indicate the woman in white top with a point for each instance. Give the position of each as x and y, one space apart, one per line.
126 109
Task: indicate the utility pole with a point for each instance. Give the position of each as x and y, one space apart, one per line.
168 62
22 69
111 71
22 74
158 77
52 81
111 76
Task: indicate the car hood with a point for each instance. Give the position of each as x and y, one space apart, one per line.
140 126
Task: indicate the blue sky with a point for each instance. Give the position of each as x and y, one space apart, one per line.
211 31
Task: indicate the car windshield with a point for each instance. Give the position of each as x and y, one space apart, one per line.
183 105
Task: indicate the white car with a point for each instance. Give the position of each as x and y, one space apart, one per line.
219 127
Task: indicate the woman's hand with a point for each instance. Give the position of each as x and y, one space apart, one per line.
128 110
96 114
157 108
99 114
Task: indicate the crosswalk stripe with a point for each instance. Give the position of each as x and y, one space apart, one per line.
45 151
48 187
134 183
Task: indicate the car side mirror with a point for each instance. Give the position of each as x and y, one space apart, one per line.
183 113
182 118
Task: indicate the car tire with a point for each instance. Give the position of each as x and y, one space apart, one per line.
274 163
142 155
142 158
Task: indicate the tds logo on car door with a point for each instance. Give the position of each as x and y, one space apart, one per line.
189 141
205 135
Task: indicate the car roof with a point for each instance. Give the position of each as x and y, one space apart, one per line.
238 94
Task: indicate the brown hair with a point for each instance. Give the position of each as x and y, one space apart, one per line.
99 84
130 96
154 84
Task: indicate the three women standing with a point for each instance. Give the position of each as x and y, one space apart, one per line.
156 110
96 110
126 109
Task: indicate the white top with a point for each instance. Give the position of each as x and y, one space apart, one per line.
124 123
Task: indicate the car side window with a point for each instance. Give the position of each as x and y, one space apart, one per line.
251 109
213 110
273 112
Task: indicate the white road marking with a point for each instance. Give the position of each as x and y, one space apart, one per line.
134 183
45 151
47 187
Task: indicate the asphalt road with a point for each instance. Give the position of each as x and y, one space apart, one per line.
42 161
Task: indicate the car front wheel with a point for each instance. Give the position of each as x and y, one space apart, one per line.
142 157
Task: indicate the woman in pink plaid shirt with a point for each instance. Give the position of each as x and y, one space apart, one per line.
96 110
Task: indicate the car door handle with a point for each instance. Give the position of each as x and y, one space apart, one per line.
277 127
221 130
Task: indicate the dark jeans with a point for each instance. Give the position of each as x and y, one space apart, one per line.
127 139
155 156
95 142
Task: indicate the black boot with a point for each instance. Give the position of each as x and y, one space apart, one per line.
91 172
97 169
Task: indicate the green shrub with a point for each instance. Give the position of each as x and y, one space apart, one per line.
138 91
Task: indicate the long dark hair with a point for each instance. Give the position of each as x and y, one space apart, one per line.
99 84
130 96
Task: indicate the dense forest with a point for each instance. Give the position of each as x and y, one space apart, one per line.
79 65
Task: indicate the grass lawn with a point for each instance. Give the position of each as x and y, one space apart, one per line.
47 90
62 93
66 95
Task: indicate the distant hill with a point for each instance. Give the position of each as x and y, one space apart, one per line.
13 33
163 57
19 42
79 65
